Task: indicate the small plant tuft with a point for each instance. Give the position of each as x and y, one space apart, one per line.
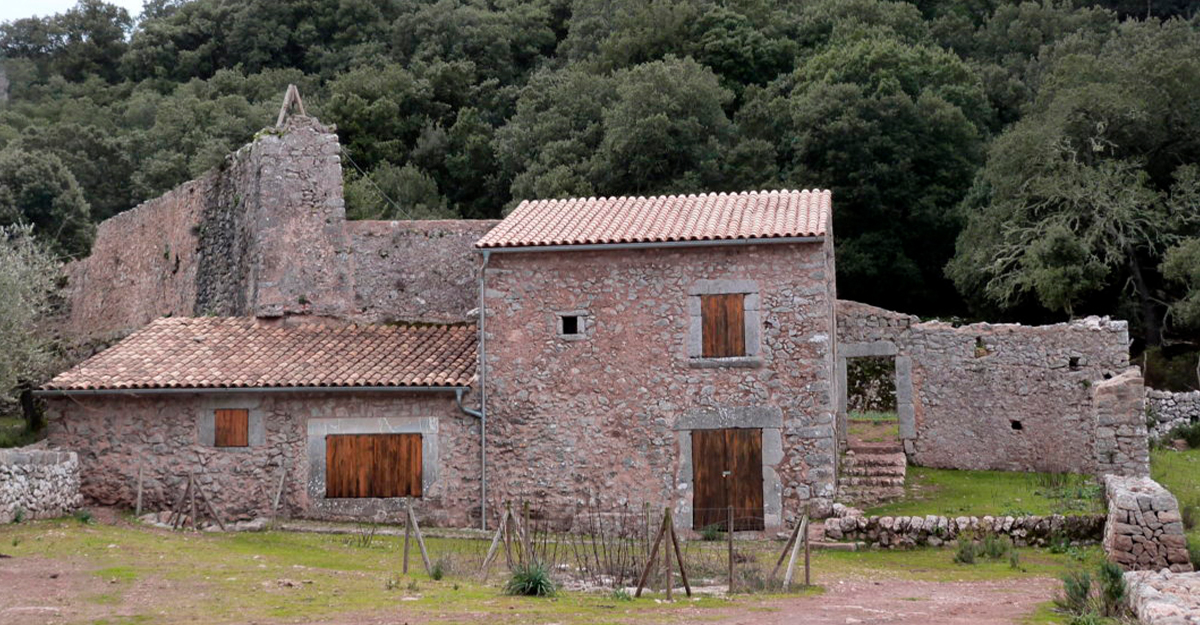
412 586
531 580
967 551
1077 588
1112 589
439 568
18 515
392 582
1014 559
620 594
711 533
84 517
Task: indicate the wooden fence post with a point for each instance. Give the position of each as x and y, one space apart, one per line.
729 533
412 518
138 509
650 561
791 568
687 587
407 533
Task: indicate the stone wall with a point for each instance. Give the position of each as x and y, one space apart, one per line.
1144 529
427 270
607 416
265 235
171 435
991 396
1164 598
38 484
934 531
1170 410
1121 443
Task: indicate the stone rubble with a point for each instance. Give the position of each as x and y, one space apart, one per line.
38 484
1164 598
1169 410
1144 529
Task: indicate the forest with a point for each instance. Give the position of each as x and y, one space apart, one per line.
1010 161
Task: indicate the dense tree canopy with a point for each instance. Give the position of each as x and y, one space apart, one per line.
1027 160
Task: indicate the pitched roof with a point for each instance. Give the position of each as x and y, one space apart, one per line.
211 352
704 217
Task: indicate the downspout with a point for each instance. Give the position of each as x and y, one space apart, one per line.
483 391
458 397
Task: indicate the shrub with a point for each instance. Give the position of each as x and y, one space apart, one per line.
1014 559
1194 553
966 551
83 516
1189 433
1088 618
1112 588
996 547
18 515
1189 512
620 594
531 580
438 570
711 532
1077 587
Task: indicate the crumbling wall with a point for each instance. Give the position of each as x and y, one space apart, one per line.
1121 444
38 484
991 396
1169 410
427 270
1144 529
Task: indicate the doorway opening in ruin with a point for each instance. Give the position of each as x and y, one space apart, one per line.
871 416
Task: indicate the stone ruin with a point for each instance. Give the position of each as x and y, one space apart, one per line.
1144 529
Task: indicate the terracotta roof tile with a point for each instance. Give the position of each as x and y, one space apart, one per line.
211 352
704 217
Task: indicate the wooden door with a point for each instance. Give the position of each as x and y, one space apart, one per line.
373 465
727 471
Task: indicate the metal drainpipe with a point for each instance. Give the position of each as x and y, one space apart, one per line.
483 391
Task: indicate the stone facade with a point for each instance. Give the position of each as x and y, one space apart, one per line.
38 484
1144 529
170 435
1121 443
1169 410
1164 598
933 530
607 416
991 396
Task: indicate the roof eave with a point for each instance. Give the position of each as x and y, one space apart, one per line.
43 393
585 247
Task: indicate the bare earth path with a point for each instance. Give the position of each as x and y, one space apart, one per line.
902 601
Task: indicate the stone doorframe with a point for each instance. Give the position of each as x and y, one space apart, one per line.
904 388
767 418
319 428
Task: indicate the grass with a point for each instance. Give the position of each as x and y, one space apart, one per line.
979 493
873 427
1179 472
13 432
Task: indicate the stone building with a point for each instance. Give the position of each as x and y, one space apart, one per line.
685 350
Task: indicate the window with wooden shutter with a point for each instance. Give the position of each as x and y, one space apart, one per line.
723 321
231 428
373 465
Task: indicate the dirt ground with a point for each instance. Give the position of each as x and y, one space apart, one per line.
80 584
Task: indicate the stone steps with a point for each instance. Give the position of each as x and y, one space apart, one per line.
872 473
873 470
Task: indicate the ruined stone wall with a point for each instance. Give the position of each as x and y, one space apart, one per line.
992 396
1144 529
426 270
1170 410
607 417
936 530
171 435
38 484
1121 444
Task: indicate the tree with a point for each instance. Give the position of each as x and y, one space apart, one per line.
1181 268
27 277
1086 192
37 189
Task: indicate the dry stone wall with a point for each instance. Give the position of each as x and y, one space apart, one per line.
1144 529
992 396
1164 598
935 530
38 484
1121 444
1169 410
170 436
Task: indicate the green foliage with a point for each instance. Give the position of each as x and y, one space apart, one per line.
27 278
18 517
439 568
37 189
531 580
967 551
620 594
84 517
712 532
1113 591
1076 592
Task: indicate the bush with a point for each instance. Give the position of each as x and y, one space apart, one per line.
1088 618
1112 589
1077 587
620 594
1014 559
1189 512
711 532
996 547
1189 433
1194 553
18 515
966 551
531 580
438 570
83 516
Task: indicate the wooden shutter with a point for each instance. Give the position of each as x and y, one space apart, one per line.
723 330
373 465
232 428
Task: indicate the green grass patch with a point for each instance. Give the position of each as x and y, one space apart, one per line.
979 493
118 573
938 565
1179 472
14 434
872 415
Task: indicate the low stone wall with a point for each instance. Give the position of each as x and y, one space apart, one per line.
1144 529
38 484
1164 598
1168 410
912 531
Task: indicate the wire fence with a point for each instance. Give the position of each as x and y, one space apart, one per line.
625 547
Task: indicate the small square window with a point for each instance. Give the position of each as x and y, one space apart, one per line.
1016 425
570 325
231 428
